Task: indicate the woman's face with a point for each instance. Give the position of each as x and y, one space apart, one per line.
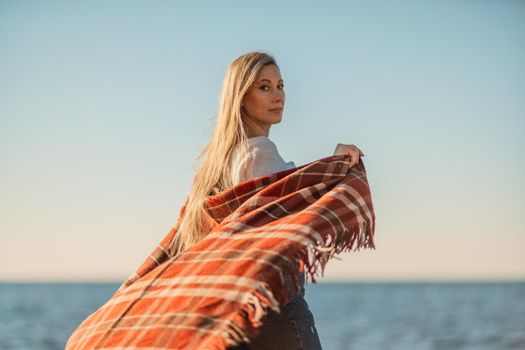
263 104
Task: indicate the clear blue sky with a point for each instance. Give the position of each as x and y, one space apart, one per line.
105 105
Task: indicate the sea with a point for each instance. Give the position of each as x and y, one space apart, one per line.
348 316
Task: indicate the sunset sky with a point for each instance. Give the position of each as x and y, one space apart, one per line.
105 106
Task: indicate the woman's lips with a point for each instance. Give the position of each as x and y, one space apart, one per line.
276 110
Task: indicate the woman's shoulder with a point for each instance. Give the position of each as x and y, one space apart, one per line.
258 147
260 140
262 144
262 158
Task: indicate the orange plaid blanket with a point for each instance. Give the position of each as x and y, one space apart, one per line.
215 294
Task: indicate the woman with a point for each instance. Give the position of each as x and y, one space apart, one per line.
252 100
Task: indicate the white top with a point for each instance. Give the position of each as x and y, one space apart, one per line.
263 158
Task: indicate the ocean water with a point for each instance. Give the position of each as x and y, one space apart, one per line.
349 316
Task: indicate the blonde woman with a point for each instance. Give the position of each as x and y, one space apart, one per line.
252 100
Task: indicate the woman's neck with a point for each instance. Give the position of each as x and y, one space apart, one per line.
255 130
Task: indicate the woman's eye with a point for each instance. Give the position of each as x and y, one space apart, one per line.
266 86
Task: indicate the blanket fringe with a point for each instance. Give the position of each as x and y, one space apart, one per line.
258 302
360 235
255 306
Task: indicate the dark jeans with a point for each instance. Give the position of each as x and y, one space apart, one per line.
292 329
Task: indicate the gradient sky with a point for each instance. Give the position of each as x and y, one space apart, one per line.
105 105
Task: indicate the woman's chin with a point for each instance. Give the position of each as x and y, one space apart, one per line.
277 120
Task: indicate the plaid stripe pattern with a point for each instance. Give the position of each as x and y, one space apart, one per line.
214 294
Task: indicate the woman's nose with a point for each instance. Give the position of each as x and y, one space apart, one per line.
278 97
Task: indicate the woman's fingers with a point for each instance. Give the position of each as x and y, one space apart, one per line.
354 154
352 150
354 158
358 150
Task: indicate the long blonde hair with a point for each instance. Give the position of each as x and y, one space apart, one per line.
214 174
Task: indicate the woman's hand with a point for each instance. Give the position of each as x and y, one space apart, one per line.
352 150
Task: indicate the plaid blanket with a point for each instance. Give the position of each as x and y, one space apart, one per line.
215 294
